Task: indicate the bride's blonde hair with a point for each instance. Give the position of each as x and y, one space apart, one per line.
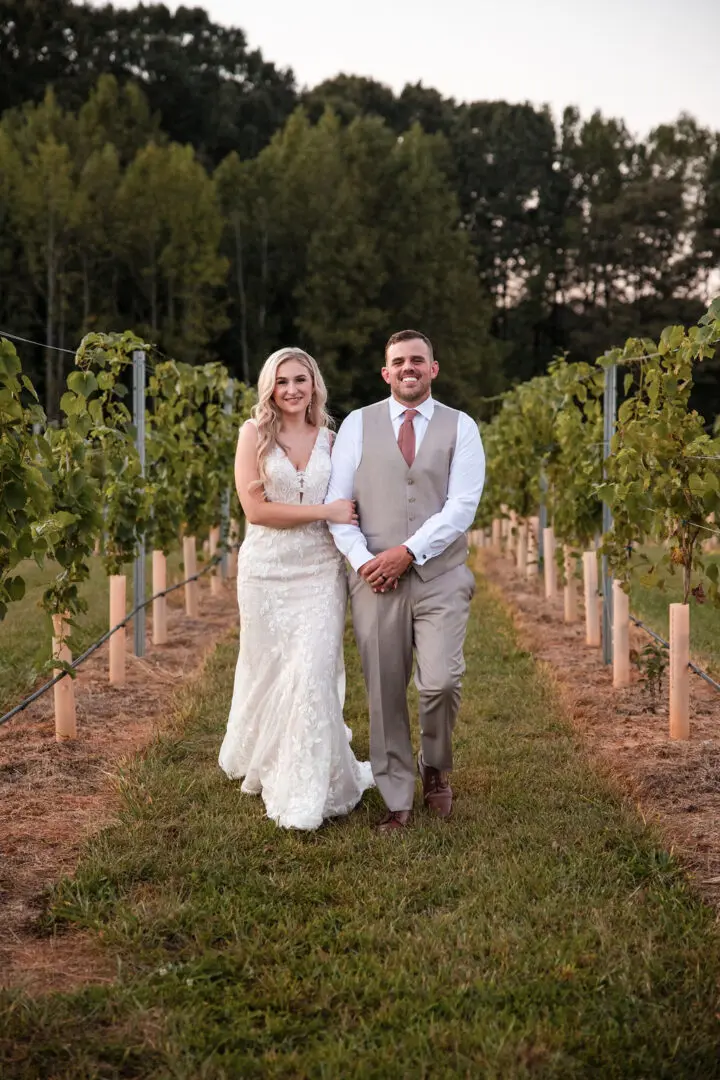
266 414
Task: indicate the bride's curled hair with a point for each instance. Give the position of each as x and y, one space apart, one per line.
266 413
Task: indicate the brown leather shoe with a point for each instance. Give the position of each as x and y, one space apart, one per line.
395 821
436 789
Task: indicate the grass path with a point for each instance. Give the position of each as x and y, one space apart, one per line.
543 932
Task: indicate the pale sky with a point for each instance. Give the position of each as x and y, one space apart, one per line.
643 60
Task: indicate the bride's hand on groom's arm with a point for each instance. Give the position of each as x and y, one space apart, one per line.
341 512
383 572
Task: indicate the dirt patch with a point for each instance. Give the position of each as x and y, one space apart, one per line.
53 795
675 784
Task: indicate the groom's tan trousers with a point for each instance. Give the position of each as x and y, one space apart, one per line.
427 619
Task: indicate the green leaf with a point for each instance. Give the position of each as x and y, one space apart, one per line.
671 338
55 522
29 386
13 495
82 382
96 413
9 360
696 485
69 403
15 588
24 545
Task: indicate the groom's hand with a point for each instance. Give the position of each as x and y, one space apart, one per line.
383 572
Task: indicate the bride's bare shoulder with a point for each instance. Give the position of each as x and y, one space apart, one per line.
248 436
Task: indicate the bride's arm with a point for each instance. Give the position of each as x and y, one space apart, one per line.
274 514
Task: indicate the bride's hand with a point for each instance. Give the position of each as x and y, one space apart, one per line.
341 512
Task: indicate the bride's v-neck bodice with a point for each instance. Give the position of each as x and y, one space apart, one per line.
287 484
269 553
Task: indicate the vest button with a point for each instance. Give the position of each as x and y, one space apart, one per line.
410 482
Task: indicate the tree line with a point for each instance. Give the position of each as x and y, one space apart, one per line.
157 174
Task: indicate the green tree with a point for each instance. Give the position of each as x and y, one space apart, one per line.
340 297
243 207
97 229
170 232
432 282
352 97
44 206
208 87
118 114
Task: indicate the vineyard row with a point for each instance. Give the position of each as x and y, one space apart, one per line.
91 485
637 484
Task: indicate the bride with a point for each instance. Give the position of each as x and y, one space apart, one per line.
285 734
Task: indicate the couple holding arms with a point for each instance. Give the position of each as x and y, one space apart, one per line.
394 494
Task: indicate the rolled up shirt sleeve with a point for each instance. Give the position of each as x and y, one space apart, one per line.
346 456
465 485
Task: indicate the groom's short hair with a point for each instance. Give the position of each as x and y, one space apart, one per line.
409 335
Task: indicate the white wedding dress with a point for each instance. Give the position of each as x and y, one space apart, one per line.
285 734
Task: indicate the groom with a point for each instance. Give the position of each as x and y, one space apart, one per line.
416 470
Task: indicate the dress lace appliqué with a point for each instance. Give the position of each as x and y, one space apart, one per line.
285 733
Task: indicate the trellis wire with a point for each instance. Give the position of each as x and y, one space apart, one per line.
693 667
101 641
150 363
27 341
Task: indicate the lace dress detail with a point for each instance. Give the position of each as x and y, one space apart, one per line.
285 734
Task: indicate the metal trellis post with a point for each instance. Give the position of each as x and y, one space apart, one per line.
609 416
542 524
225 510
139 567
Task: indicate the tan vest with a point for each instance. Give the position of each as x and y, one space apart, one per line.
394 500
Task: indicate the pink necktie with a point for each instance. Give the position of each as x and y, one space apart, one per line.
406 436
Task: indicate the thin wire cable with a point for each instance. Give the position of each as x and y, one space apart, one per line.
639 359
625 362
693 667
697 525
27 341
683 521
71 352
101 641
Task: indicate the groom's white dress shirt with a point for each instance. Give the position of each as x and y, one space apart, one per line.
467 476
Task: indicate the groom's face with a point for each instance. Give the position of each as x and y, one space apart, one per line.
409 371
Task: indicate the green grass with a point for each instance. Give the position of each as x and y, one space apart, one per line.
543 932
26 631
651 606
